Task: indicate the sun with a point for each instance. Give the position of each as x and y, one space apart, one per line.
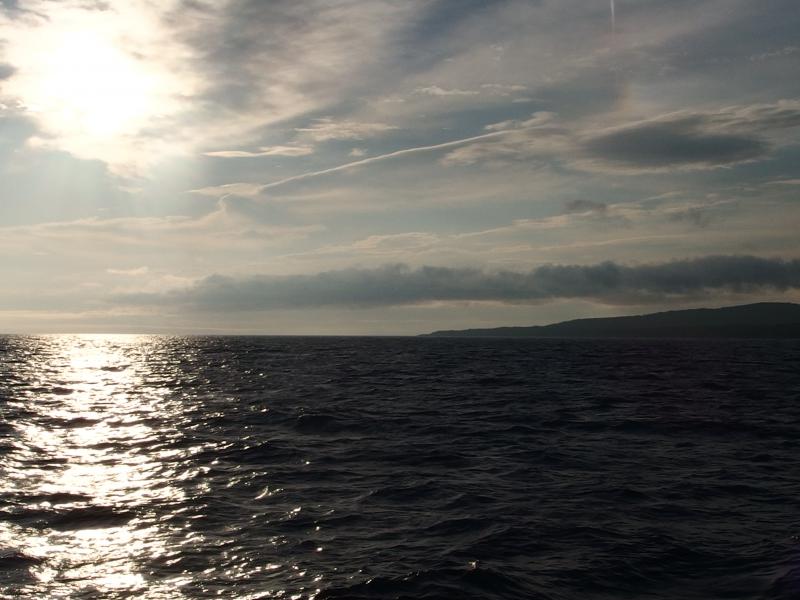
82 81
103 83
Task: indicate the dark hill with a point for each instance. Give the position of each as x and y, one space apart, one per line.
762 320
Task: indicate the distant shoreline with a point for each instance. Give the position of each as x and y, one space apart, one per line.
764 320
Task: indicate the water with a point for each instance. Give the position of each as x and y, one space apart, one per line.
171 467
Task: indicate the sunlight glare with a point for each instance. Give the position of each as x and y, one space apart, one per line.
99 82
82 79
94 426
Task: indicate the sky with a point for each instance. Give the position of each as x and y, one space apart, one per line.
393 166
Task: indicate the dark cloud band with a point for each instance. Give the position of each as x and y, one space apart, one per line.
400 285
694 140
662 145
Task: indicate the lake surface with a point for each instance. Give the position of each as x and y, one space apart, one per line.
263 467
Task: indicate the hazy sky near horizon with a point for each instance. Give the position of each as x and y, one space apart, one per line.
393 166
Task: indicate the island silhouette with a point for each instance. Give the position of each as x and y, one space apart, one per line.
760 320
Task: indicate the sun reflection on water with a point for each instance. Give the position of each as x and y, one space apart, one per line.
86 459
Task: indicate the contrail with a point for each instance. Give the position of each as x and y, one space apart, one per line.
373 159
252 189
613 18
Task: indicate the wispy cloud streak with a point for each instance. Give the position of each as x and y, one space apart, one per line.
613 17
382 157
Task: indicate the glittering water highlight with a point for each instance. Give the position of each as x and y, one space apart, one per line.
162 468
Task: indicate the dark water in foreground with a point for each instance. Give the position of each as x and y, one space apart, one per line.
398 468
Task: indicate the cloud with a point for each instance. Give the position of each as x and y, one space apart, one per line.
781 52
777 115
396 285
136 272
248 189
585 206
694 139
327 129
504 89
670 144
14 132
435 90
785 182
264 151
537 119
233 224
396 241
97 81
698 215
230 189
685 140
210 73
527 140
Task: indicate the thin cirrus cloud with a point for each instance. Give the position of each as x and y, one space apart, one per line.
585 206
686 140
174 59
435 90
320 130
536 123
264 151
326 129
785 182
678 141
397 285
254 189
